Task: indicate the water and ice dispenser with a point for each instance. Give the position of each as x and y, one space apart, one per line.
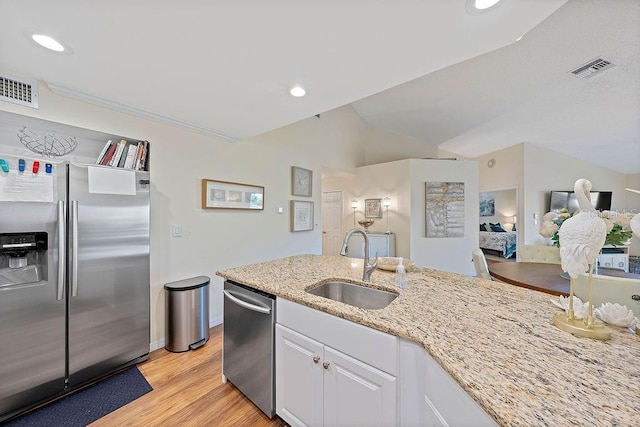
23 258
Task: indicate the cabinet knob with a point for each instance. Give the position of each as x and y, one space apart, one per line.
325 365
316 359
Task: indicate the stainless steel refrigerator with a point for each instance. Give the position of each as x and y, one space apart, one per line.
74 278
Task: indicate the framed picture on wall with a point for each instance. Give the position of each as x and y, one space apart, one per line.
487 204
301 215
444 209
373 208
231 195
301 181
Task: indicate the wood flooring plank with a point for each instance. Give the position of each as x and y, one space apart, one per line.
188 391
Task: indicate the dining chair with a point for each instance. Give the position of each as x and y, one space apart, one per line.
622 290
480 263
539 253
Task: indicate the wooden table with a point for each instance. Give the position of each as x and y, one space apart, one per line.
542 277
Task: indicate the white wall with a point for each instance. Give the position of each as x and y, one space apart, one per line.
376 182
452 253
404 182
633 205
537 171
384 146
545 170
505 208
507 172
213 239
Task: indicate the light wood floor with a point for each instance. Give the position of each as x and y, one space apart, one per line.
188 391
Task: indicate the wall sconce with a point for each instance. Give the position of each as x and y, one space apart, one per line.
354 205
386 202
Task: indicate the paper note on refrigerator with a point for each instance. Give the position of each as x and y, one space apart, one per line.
18 186
103 180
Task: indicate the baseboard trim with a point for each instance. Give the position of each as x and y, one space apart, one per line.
161 343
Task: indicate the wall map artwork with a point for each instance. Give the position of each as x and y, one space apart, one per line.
444 210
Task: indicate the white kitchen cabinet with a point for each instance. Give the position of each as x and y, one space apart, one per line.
317 385
357 394
430 397
299 378
330 371
382 244
370 379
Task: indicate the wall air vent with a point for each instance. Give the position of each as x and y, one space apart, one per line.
21 92
592 68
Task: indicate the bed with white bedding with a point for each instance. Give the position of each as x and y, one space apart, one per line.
503 242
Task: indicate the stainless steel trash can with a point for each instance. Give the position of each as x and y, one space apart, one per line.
187 314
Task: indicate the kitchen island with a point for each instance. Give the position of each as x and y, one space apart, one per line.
497 341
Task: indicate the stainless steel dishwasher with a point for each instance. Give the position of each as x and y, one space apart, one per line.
248 343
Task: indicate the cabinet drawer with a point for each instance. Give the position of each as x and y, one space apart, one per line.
363 343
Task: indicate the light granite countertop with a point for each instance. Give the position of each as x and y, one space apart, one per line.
496 340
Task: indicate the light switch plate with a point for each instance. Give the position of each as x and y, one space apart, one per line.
176 230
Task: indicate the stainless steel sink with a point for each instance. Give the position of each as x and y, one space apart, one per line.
354 294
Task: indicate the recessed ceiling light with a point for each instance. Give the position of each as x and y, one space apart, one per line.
477 7
297 91
485 4
48 42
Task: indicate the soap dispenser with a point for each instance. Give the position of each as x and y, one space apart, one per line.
401 275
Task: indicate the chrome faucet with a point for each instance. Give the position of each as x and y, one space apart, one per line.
368 268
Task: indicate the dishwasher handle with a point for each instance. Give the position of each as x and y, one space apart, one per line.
258 308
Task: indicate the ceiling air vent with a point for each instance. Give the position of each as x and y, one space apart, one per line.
592 68
21 92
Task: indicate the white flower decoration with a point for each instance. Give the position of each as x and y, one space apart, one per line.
616 314
548 229
608 223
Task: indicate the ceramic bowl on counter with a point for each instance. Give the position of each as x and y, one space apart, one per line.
390 263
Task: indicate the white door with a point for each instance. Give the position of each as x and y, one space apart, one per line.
356 394
299 378
331 222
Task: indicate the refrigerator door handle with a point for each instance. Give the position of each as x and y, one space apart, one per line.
62 255
74 248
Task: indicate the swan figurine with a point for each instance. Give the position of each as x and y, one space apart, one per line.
635 225
581 237
635 221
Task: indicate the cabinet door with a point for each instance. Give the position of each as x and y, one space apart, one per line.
605 261
432 416
382 244
299 378
356 394
446 402
621 262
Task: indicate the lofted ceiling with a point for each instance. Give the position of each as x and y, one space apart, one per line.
425 68
524 92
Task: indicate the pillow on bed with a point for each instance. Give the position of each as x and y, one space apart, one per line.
497 227
483 227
